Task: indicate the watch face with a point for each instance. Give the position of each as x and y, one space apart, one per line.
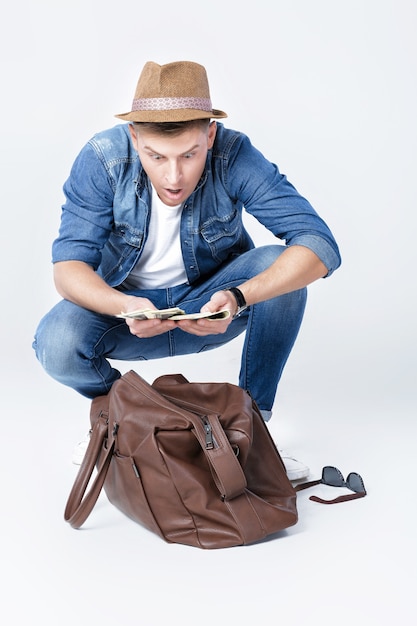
240 310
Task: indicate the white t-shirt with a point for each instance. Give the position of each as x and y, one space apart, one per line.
161 263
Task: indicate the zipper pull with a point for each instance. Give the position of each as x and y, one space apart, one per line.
209 434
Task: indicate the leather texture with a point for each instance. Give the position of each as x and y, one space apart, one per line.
192 462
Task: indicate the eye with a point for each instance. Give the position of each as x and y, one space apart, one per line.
189 155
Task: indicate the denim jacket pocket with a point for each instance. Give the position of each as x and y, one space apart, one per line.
120 253
223 234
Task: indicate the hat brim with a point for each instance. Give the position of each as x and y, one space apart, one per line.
171 115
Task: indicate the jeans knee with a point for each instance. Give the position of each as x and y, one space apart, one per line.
54 346
287 309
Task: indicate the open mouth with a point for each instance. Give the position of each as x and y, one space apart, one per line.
173 193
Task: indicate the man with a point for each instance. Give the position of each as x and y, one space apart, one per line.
153 220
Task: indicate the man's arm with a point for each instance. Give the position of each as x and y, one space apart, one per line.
79 283
294 269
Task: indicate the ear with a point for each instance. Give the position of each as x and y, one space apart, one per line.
212 130
133 136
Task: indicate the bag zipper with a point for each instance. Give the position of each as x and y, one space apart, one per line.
208 433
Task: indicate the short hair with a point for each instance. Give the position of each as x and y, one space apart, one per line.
172 128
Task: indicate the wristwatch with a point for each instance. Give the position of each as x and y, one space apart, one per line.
240 299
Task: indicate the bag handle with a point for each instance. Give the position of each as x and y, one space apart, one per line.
226 470
79 504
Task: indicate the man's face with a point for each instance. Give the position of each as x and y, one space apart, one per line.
174 164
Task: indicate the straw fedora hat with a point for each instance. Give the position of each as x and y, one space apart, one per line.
176 92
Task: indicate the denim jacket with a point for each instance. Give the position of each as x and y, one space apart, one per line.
108 200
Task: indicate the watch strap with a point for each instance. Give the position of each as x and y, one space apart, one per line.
240 300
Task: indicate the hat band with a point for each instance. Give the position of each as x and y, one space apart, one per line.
165 104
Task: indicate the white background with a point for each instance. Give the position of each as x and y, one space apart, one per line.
327 90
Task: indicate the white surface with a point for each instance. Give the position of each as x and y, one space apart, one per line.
327 90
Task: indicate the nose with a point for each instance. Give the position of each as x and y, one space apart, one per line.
173 173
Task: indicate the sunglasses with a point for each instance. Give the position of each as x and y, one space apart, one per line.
334 478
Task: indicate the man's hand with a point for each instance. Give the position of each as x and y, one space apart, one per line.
149 328
219 300
146 328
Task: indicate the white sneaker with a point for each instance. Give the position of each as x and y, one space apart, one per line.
295 469
80 449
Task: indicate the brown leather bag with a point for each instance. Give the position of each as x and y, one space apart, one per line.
192 462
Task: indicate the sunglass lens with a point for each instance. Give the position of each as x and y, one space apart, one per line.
332 476
355 482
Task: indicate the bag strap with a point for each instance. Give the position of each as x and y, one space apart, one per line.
224 465
80 504
169 379
226 470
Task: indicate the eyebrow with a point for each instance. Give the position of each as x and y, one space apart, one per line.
197 145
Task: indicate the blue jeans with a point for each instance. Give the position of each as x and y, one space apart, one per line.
74 344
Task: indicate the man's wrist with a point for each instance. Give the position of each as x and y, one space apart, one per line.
240 300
